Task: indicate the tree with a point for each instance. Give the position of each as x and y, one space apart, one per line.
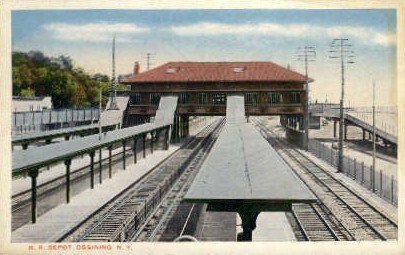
69 86
27 92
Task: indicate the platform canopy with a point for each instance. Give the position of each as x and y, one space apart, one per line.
37 157
243 168
243 173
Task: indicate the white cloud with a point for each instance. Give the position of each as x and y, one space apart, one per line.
366 34
94 32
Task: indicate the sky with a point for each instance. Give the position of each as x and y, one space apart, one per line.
224 35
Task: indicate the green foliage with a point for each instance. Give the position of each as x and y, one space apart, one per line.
35 74
27 92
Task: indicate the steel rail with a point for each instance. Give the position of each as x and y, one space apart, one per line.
300 162
126 196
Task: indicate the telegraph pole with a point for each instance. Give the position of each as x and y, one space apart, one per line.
148 55
340 50
113 95
306 54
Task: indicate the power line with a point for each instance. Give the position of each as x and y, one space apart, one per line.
341 49
306 54
113 95
148 63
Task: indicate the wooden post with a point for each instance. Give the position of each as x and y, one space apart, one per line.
57 118
42 121
187 125
151 141
144 145
166 144
345 130
67 164
362 172
92 169
109 162
33 173
355 169
248 225
134 149
381 183
123 154
178 129
100 165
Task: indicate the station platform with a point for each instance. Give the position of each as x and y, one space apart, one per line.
218 226
54 224
273 227
245 175
23 184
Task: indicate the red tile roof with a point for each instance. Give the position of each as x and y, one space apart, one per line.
217 72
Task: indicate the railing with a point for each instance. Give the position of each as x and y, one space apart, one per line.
382 122
35 121
384 185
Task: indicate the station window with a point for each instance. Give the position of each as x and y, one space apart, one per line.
295 98
219 98
184 98
203 98
251 99
274 98
135 99
154 98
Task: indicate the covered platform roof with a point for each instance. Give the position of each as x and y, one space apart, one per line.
243 167
244 173
31 137
37 157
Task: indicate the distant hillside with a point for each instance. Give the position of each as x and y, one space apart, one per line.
35 74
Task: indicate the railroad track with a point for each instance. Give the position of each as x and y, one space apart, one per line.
312 223
172 218
23 198
136 212
359 218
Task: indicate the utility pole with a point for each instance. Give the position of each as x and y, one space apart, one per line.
306 54
373 173
148 55
340 50
113 94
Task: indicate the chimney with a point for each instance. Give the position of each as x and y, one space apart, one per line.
136 68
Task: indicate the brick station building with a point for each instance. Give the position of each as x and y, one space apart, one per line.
202 87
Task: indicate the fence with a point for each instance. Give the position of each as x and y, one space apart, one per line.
40 120
384 186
